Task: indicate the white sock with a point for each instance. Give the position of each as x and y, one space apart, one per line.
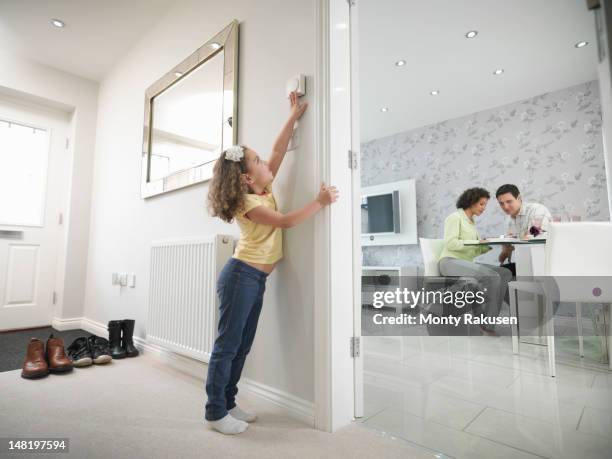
229 425
242 415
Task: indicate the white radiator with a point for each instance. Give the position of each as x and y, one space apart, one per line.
183 301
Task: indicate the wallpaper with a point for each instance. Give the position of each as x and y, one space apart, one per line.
550 146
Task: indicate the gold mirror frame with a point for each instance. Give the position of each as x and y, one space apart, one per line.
226 41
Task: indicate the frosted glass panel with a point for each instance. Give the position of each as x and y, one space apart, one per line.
23 174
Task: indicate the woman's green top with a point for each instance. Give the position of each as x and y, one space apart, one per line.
459 229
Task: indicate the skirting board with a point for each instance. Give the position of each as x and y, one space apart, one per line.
288 404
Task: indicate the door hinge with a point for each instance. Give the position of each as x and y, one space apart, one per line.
355 346
54 297
67 142
593 4
351 2
352 159
60 220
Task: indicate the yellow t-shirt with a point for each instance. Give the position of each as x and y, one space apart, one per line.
258 243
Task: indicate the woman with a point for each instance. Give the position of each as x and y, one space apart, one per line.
457 258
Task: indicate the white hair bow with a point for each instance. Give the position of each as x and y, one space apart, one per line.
234 153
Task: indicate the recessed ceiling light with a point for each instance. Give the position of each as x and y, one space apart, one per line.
471 34
341 26
57 23
435 92
400 63
581 44
178 74
384 109
215 45
498 72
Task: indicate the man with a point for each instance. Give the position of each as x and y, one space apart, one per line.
523 215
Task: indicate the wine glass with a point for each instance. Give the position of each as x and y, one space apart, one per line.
535 227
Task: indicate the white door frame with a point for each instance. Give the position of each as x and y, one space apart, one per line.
333 289
356 193
338 390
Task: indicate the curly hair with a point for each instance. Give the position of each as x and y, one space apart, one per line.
226 190
471 196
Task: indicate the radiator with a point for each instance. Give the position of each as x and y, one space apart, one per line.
182 314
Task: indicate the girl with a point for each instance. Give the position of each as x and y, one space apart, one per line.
241 188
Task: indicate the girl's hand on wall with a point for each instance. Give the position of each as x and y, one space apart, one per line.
297 108
327 195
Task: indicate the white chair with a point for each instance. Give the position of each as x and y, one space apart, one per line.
430 251
573 250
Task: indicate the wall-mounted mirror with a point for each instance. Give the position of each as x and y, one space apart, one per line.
190 116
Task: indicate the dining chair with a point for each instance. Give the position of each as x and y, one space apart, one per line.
432 279
577 269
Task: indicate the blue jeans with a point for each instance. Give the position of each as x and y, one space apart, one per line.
240 289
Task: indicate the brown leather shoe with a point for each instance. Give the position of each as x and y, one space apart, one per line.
56 356
35 363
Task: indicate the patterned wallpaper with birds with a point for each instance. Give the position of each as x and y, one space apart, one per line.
550 146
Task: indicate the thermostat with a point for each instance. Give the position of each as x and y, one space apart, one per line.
297 84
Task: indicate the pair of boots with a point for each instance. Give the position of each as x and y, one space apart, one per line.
39 361
120 334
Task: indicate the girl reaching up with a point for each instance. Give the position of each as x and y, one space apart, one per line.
241 189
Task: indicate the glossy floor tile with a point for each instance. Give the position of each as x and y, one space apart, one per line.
472 397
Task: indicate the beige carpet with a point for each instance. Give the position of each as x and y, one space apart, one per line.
141 408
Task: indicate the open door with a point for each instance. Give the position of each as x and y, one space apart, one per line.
354 162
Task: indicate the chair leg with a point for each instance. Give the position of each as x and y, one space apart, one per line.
608 332
550 337
513 324
541 317
579 322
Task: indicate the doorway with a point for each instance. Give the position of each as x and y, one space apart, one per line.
425 82
33 185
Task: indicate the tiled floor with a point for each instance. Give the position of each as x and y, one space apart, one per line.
471 397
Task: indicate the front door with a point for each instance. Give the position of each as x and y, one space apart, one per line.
33 154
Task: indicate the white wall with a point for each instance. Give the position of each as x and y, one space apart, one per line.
46 86
276 42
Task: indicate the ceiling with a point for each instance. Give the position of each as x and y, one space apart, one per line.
533 41
97 33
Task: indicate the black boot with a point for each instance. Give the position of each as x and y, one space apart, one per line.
127 325
114 339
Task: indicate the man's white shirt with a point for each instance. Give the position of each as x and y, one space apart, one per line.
530 211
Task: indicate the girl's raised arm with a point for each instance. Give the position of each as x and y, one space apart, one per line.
282 141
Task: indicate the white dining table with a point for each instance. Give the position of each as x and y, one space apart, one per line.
529 259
